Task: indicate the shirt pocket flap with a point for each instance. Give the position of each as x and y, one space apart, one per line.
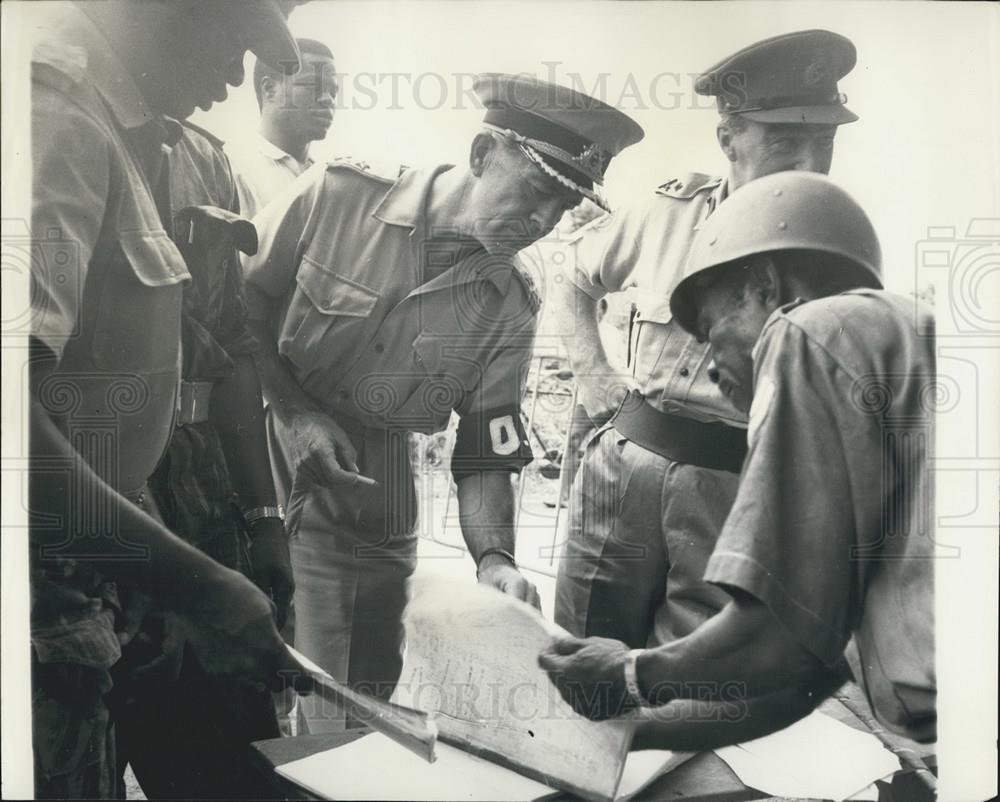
153 258
655 311
333 294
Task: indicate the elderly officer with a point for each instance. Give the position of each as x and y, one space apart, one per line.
656 483
827 552
386 302
105 340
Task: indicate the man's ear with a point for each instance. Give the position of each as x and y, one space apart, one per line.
268 88
724 134
479 153
768 283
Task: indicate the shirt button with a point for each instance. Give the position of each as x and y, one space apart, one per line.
684 371
379 348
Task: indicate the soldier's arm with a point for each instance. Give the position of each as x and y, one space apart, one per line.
696 726
601 259
238 414
283 227
600 385
741 652
486 515
227 620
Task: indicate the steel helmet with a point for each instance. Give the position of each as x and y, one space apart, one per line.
792 210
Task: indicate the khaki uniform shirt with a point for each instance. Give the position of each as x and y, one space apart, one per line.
105 302
647 247
832 527
374 321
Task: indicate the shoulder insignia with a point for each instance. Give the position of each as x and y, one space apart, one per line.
386 172
522 273
218 143
689 185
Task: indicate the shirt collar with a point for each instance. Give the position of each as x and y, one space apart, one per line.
81 41
273 152
775 315
719 194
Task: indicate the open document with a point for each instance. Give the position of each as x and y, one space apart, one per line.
504 732
471 662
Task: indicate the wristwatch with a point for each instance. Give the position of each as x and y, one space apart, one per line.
259 513
632 679
499 552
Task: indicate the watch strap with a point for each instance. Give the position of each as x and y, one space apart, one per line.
258 513
498 551
632 678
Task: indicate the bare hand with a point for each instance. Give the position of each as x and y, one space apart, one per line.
503 576
590 675
230 627
324 447
272 566
601 393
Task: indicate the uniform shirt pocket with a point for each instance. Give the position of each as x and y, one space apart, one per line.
137 327
324 301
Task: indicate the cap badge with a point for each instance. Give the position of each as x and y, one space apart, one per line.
816 73
593 159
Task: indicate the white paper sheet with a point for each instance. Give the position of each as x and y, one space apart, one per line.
472 659
641 768
373 767
817 757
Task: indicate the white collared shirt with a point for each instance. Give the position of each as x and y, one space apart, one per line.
263 170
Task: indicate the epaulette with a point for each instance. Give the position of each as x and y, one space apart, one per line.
529 284
62 68
385 172
689 186
218 143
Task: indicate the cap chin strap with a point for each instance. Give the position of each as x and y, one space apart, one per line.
523 144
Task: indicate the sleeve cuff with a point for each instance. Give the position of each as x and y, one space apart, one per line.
735 570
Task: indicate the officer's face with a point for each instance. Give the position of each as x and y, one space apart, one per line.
304 105
731 315
760 149
513 202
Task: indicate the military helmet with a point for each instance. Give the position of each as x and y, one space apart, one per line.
791 210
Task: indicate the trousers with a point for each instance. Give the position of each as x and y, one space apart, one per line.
641 530
353 549
72 733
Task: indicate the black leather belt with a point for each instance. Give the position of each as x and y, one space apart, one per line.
707 445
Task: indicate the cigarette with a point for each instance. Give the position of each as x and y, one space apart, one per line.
366 480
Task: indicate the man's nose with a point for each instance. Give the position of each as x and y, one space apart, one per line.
713 372
547 215
235 74
814 160
327 96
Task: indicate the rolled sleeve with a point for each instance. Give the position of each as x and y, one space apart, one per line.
605 253
69 198
788 539
282 227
